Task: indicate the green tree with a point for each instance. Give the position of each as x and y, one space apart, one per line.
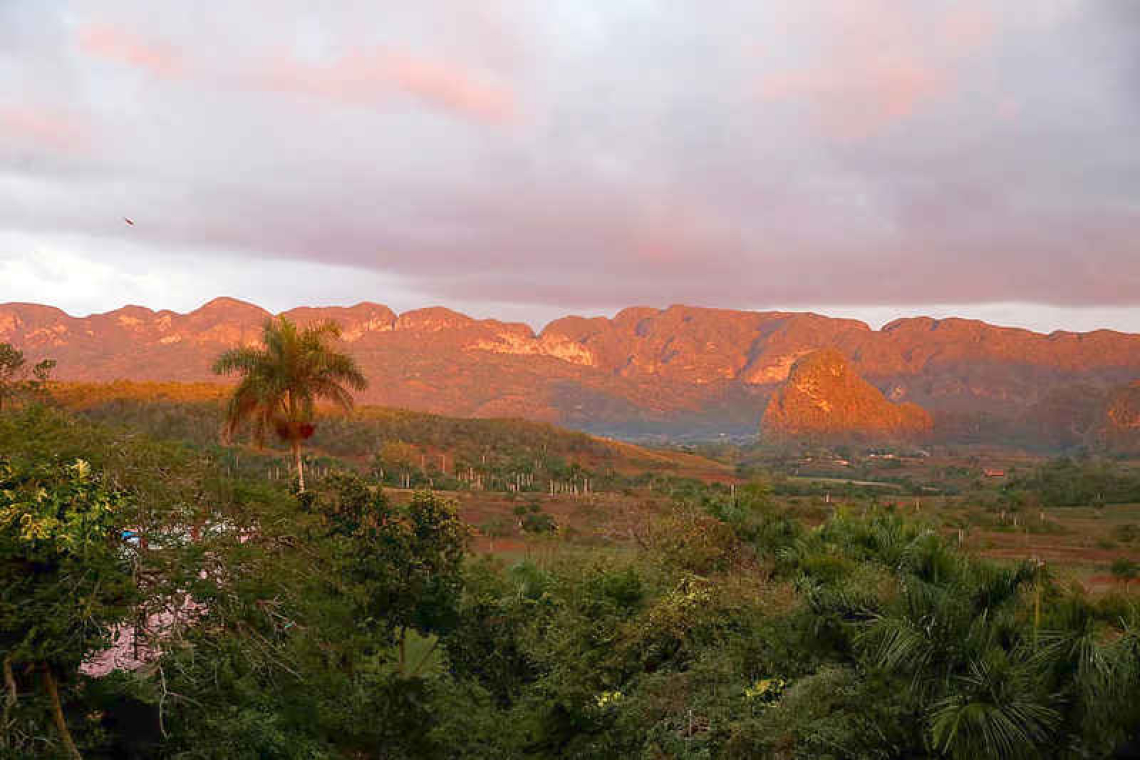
14 373
1125 569
400 456
283 380
64 574
404 563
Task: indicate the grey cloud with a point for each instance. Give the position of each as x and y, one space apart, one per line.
592 155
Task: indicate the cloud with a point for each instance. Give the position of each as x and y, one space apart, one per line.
875 63
369 76
818 153
364 75
117 44
59 270
45 127
854 102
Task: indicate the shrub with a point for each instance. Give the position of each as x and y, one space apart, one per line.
539 523
1125 569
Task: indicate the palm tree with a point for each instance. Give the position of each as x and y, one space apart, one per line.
282 381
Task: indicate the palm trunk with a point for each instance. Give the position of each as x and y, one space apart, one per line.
295 442
57 714
300 465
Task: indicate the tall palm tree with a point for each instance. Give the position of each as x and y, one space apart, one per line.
284 378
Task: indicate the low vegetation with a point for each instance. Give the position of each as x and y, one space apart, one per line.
342 623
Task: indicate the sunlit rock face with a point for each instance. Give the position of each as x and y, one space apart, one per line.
1121 422
677 370
824 399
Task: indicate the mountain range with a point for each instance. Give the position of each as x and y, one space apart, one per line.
679 371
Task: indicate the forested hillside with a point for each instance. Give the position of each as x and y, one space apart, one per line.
409 448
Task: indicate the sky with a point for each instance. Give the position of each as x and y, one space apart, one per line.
525 160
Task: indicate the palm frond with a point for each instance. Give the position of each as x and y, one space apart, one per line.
244 360
998 709
283 380
319 332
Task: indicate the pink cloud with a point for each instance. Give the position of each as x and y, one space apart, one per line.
853 102
966 29
881 66
126 47
1009 108
46 127
366 76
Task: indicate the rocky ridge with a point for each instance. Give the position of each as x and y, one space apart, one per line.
673 371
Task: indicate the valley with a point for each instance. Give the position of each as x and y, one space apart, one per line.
996 502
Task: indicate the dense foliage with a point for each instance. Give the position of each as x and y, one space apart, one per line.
1069 482
66 576
340 623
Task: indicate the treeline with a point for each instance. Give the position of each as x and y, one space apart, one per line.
262 624
1074 482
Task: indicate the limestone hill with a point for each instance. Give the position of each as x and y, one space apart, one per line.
824 399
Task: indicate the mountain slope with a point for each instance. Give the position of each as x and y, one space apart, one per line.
823 399
676 370
1120 428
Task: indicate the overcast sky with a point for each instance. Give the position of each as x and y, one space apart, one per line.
868 158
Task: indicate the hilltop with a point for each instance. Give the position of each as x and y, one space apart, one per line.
824 399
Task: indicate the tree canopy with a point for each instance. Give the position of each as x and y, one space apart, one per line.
14 374
65 576
283 379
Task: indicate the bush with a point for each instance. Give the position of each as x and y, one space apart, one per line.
539 523
1125 569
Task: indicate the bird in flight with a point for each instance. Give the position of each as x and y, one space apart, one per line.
128 221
